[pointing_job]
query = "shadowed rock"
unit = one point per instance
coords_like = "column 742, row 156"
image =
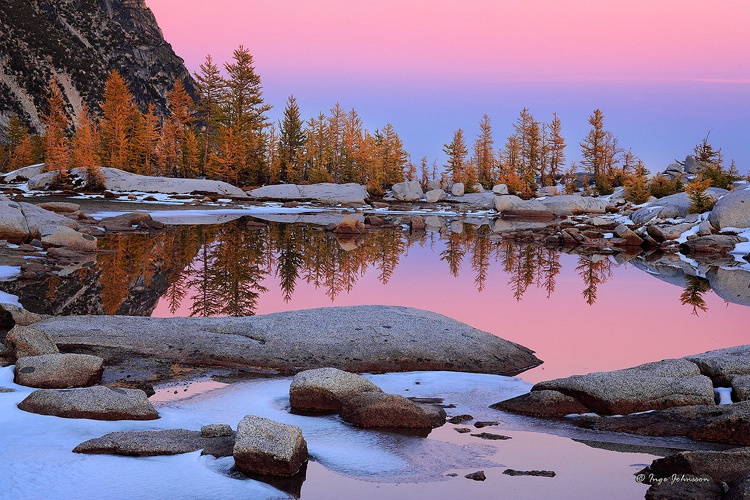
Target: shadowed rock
column 388, row 411
column 674, row 382
column 542, row 403
column 59, row 371
column 728, row 424
column 266, row 447
column 728, row 466
column 98, row 403
column 154, row 443
column 325, row 389
column 356, row 339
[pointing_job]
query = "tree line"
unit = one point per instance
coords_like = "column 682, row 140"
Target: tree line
column 225, row 134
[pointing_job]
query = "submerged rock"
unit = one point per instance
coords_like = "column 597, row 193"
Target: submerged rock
column 98, row 403
column 266, row 447
column 355, row 339
column 155, row 443
column 59, row 371
column 326, row 389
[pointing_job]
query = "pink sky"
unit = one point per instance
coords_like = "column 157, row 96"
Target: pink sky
column 664, row 72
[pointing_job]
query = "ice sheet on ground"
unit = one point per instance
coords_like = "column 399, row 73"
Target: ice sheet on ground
column 9, row 272
column 376, row 456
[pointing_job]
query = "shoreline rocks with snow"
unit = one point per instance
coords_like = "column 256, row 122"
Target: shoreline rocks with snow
column 325, row 192
column 672, row 397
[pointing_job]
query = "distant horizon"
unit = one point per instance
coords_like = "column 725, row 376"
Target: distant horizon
column 662, row 80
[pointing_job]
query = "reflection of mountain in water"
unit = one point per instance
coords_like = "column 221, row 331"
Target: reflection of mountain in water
column 223, row 269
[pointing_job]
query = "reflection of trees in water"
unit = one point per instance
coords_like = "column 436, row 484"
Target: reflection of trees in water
column 695, row 287
column 527, row 265
column 221, row 269
column 593, row 270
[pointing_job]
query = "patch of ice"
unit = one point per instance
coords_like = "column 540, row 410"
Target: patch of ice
column 6, row 298
column 724, row 394
column 690, row 232
column 608, row 236
column 44, row 466
column 9, row 272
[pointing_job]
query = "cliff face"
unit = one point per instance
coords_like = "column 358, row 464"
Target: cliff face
column 80, row 42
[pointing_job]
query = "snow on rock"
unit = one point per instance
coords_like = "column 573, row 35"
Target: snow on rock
column 119, row 180
column 570, row 204
column 325, row 192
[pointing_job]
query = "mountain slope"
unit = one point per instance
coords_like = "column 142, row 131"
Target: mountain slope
column 80, row 42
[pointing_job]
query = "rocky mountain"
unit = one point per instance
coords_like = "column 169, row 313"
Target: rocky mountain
column 80, row 42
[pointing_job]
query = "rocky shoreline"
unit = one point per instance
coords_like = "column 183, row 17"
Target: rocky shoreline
column 128, row 354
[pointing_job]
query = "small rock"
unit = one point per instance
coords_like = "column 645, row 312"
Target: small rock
column 631, row 239
column 434, row 196
column 458, row 189
column 326, row 389
column 29, row 341
column 543, row 403
column 59, row 371
column 263, row 446
column 491, row 436
column 462, row 430
column 537, row 473
column 60, row 207
column 476, row 476
column 98, row 403
column 417, row 223
column 460, row 418
column 61, row 236
column 380, row 410
column 157, row 443
column 500, row 189
column 480, row 424
column 216, row 430
column 350, row 225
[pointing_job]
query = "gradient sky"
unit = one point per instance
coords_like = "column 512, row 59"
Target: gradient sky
column 665, row 73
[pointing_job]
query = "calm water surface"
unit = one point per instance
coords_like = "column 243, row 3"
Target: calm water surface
column 579, row 313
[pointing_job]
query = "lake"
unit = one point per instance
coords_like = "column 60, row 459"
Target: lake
column 580, row 313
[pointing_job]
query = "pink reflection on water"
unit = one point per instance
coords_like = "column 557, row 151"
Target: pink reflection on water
column 636, row 318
